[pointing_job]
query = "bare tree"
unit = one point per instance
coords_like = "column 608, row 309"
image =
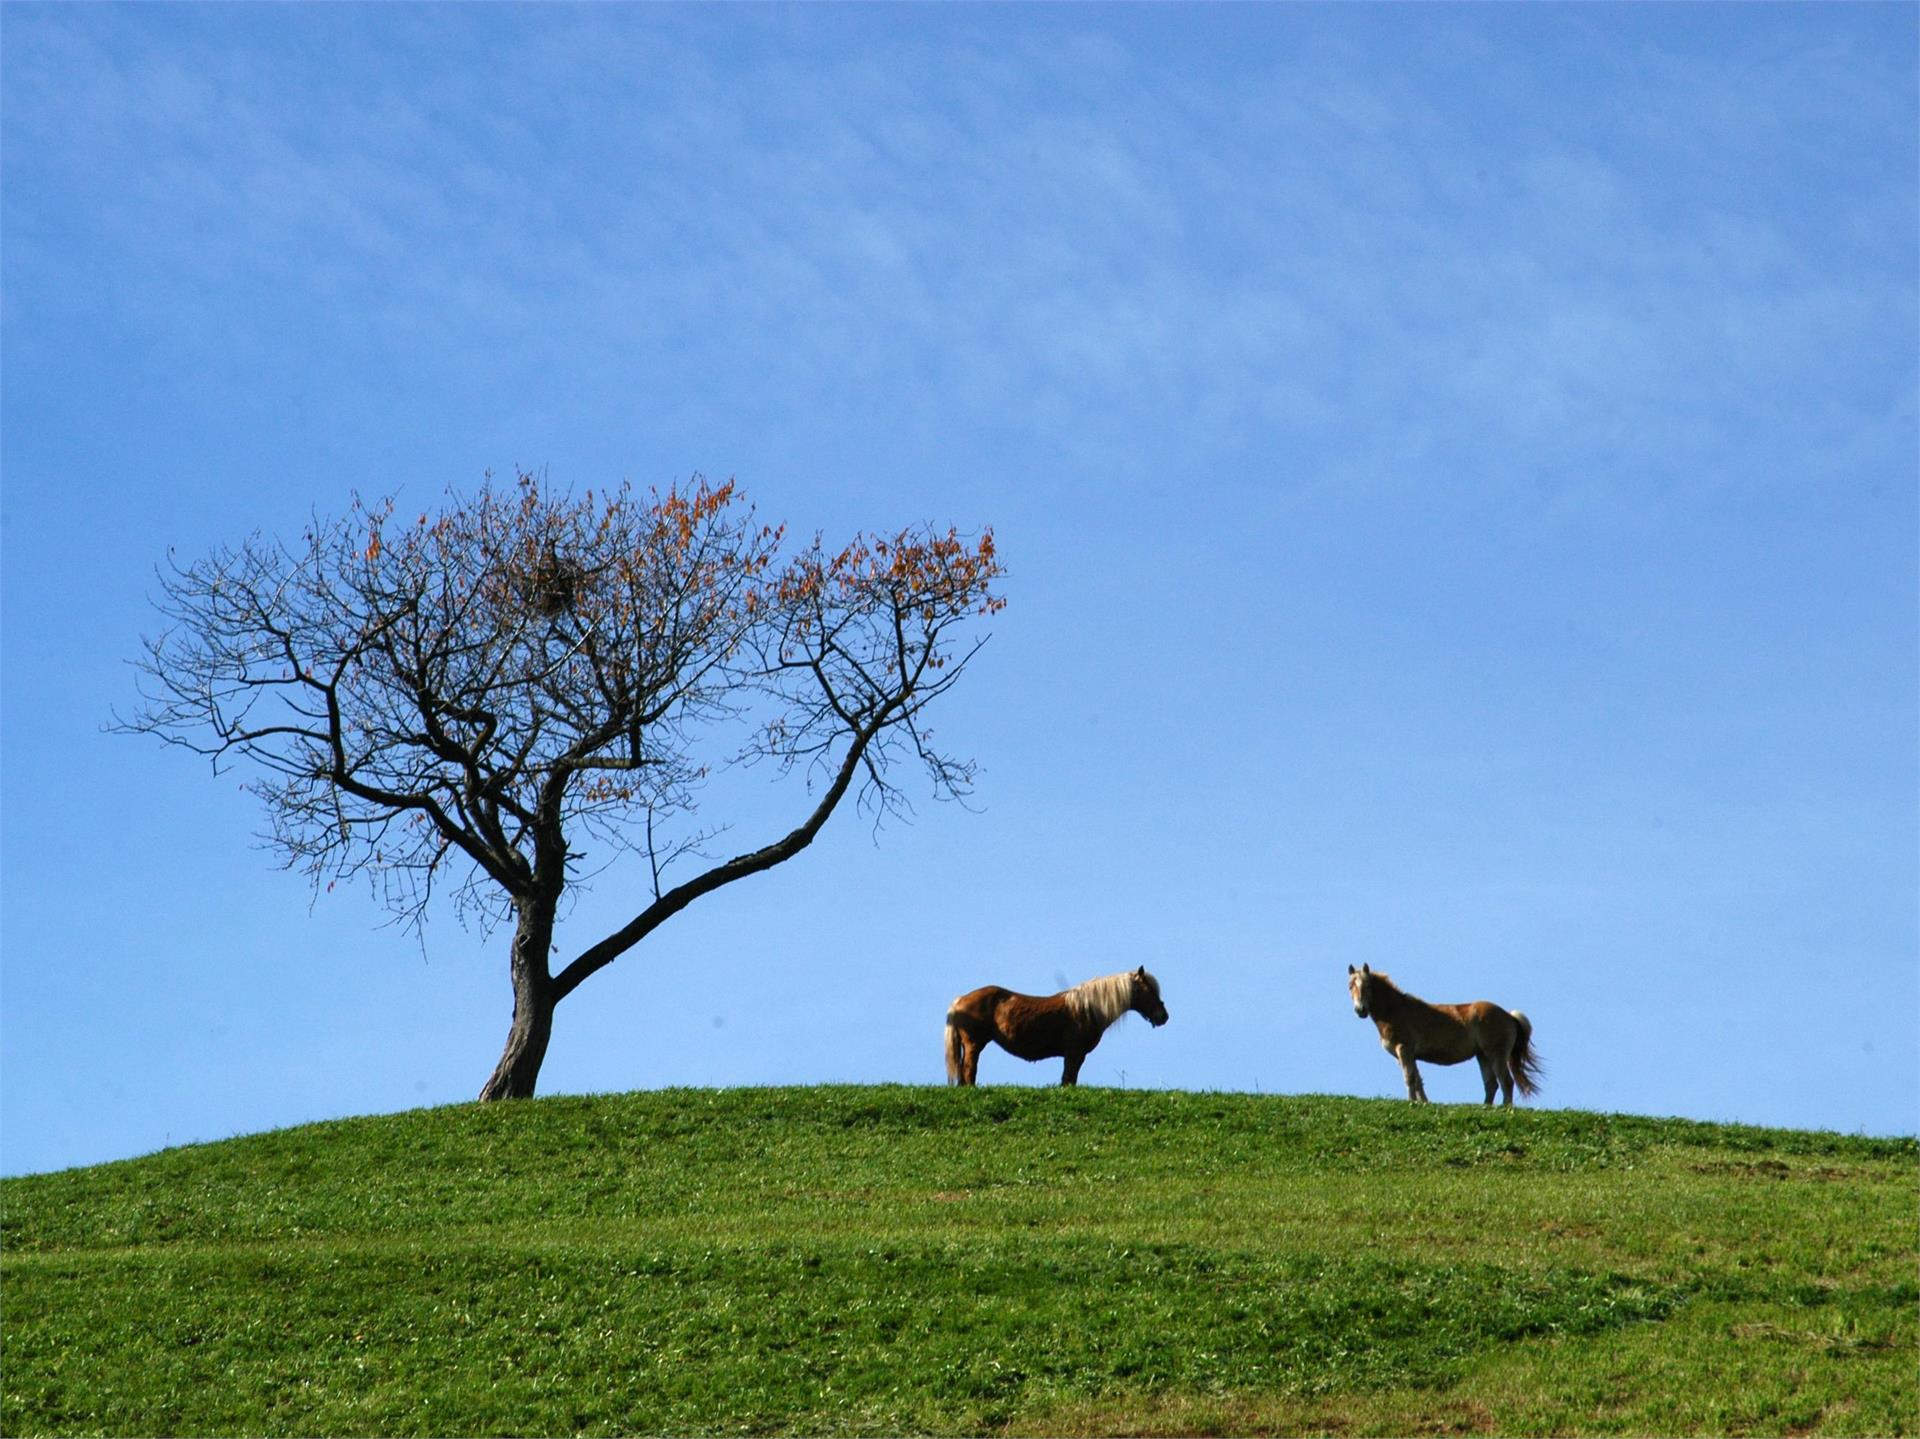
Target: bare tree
column 458, row 702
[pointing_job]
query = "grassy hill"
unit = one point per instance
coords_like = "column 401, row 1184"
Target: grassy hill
column 887, row 1260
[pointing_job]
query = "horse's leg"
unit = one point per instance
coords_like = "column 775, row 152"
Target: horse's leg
column 1489, row 1069
column 970, row 1047
column 1416, row 1091
column 1503, row 1066
column 1071, row 1074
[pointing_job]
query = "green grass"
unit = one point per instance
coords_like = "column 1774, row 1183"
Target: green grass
column 908, row 1260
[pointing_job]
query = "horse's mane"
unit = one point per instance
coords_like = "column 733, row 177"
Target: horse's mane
column 1385, row 981
column 1103, row 1000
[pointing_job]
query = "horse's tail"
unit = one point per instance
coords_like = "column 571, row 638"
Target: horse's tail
column 1526, row 1059
column 953, row 1050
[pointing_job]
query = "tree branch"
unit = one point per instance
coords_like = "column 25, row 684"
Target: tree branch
column 758, row 861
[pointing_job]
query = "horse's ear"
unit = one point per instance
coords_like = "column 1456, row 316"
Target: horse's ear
column 1141, row 974
column 1350, row 969
column 1365, row 968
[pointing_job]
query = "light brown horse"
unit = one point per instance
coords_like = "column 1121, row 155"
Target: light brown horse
column 1065, row 1025
column 1411, row 1029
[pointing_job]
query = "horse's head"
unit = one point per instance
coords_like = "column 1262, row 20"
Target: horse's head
column 1146, row 998
column 1360, row 987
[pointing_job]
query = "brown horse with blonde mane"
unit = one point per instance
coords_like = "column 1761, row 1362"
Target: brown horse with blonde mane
column 1066, row 1025
column 1411, row 1029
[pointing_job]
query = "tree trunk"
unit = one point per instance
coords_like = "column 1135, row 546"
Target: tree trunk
column 533, row 1000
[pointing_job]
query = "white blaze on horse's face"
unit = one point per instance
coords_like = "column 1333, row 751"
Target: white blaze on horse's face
column 1359, row 981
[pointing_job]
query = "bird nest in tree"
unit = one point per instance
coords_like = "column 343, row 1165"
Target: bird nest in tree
column 550, row 584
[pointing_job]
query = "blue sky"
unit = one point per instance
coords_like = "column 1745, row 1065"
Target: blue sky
column 1456, row 466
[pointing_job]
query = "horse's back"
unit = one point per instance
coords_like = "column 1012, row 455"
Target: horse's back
column 1454, row 1033
column 978, row 1003
column 1487, row 1020
column 1030, row 1026
column 1476, row 1012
